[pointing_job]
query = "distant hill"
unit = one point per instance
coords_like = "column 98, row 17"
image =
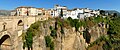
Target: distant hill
column 4, row 12
column 112, row 11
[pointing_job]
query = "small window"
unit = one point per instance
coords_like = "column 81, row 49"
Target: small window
column 51, row 14
column 43, row 13
column 39, row 14
column 51, row 11
column 4, row 26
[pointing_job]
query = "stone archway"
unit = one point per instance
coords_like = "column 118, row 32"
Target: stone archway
column 20, row 23
column 5, row 43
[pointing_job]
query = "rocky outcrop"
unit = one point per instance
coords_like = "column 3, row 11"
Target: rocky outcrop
column 71, row 40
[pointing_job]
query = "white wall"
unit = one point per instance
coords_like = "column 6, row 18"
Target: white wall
column 32, row 11
column 21, row 11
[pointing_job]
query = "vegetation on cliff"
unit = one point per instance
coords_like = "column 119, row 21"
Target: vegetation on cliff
column 28, row 36
column 112, row 39
column 87, row 23
column 49, row 42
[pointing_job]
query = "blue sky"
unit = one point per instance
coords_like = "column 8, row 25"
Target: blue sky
column 93, row 4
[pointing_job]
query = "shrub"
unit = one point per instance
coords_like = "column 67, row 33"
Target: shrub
column 86, row 36
column 35, row 25
column 53, row 33
column 78, row 24
column 48, row 41
column 69, row 18
column 62, row 31
column 50, row 28
column 52, row 46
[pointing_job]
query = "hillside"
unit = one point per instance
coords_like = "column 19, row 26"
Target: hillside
column 112, row 11
column 4, row 12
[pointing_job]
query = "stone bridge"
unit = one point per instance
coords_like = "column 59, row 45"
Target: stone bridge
column 11, row 29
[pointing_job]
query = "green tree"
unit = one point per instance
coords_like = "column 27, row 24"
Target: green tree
column 48, row 41
column 102, row 12
column 98, row 19
column 56, row 23
column 78, row 24
column 69, row 18
column 29, row 39
column 114, row 15
column 51, row 28
column 86, row 35
column 61, row 13
column 52, row 46
column 62, row 31
column 53, row 33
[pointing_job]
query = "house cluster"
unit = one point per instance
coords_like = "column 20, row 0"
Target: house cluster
column 29, row 11
column 55, row 12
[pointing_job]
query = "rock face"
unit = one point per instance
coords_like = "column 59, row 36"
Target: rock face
column 71, row 40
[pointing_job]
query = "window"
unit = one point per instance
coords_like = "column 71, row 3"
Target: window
column 51, row 11
column 51, row 14
column 39, row 14
column 3, row 27
column 43, row 13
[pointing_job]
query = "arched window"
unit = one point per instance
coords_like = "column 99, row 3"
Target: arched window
column 4, row 26
column 20, row 23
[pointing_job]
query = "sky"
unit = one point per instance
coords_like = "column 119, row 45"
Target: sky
column 92, row 4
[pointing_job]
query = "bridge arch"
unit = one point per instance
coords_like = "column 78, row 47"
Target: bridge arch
column 5, row 41
column 20, row 23
column 4, row 38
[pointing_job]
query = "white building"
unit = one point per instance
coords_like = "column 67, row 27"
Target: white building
column 21, row 11
column 81, row 13
column 32, row 11
column 76, row 13
column 25, row 11
column 40, row 11
column 55, row 12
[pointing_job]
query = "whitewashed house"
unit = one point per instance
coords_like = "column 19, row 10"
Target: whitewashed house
column 75, row 13
column 25, row 11
column 32, row 11
column 55, row 12
column 81, row 13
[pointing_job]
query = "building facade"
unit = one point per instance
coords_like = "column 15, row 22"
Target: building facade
column 55, row 12
column 81, row 13
column 76, row 13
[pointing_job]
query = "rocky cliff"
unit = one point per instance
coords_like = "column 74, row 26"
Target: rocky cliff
column 71, row 40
